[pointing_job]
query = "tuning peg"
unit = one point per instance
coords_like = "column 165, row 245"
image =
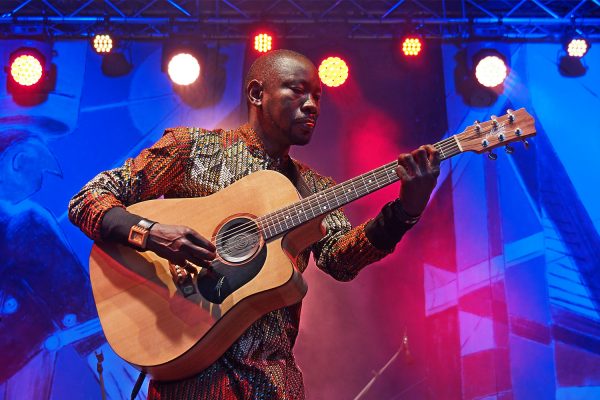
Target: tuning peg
column 518, row 132
column 511, row 116
column 477, row 127
column 492, row 156
column 494, row 121
column 509, row 149
column 525, row 144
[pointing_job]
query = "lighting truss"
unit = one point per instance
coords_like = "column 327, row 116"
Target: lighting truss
column 540, row 20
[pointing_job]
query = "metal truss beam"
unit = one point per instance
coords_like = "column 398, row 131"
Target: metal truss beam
column 537, row 20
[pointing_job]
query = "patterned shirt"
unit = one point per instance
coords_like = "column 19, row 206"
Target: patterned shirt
column 193, row 162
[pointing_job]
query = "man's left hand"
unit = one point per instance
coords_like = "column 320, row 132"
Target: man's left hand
column 418, row 171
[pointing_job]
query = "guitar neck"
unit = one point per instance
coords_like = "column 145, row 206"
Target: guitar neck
column 287, row 218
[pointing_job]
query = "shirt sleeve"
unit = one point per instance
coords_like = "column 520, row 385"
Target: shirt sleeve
column 344, row 250
column 149, row 175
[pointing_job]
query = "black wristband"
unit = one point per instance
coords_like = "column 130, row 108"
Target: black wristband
column 387, row 228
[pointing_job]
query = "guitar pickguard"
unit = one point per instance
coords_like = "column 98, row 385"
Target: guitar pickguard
column 223, row 279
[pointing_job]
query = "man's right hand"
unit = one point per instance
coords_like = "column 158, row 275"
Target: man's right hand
column 179, row 244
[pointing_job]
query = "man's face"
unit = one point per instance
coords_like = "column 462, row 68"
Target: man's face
column 290, row 102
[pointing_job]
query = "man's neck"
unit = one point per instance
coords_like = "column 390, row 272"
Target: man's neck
column 272, row 148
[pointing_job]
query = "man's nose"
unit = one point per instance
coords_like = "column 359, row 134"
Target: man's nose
column 311, row 105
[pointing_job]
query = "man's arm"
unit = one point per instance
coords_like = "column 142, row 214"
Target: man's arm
column 344, row 251
column 99, row 208
column 148, row 176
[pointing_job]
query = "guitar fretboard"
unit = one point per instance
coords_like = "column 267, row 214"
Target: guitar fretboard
column 287, row 218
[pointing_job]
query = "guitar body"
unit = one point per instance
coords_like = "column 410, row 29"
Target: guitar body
column 147, row 319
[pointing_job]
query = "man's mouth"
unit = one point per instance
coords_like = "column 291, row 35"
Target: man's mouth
column 307, row 122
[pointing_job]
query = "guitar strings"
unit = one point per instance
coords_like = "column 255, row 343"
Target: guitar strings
column 277, row 217
column 309, row 202
column 447, row 144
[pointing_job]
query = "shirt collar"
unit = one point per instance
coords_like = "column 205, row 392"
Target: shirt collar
column 257, row 148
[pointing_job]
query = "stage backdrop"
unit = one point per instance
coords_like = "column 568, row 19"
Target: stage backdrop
column 496, row 288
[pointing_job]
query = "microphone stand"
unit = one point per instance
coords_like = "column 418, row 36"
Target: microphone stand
column 403, row 349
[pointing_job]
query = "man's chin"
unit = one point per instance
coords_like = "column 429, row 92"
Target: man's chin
column 302, row 139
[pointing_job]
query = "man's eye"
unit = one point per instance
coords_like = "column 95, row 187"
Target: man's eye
column 297, row 90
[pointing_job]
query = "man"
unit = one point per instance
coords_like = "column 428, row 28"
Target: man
column 283, row 91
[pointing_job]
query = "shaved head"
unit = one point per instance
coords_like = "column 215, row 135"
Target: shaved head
column 265, row 67
column 283, row 91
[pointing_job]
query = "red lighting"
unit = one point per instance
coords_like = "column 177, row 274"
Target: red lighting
column 411, row 46
column 26, row 68
column 333, row 71
column 263, row 42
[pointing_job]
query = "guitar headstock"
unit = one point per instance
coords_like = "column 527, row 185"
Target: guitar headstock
column 498, row 131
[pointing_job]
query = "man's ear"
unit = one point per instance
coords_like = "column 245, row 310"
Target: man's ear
column 254, row 92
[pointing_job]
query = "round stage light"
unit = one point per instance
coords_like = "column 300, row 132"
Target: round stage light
column 577, row 48
column 333, row 71
column 491, row 71
column 26, row 69
column 103, row 44
column 263, row 42
column 183, row 69
column 411, row 46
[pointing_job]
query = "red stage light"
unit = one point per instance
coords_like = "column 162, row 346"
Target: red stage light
column 411, row 46
column 26, row 68
column 333, row 71
column 263, row 42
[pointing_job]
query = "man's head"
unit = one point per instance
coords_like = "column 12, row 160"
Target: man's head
column 283, row 91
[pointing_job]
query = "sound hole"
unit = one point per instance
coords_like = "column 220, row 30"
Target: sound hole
column 238, row 240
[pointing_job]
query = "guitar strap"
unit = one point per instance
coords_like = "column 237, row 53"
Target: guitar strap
column 294, row 175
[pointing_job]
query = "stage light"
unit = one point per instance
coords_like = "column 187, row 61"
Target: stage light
column 30, row 72
column 491, row 71
column 26, row 68
column 263, row 42
column 183, row 69
column 412, row 46
column 197, row 70
column 570, row 63
column 481, row 71
column 333, row 71
column 103, row 43
column 577, row 47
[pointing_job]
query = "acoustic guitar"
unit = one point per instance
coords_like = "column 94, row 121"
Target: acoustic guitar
column 174, row 331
